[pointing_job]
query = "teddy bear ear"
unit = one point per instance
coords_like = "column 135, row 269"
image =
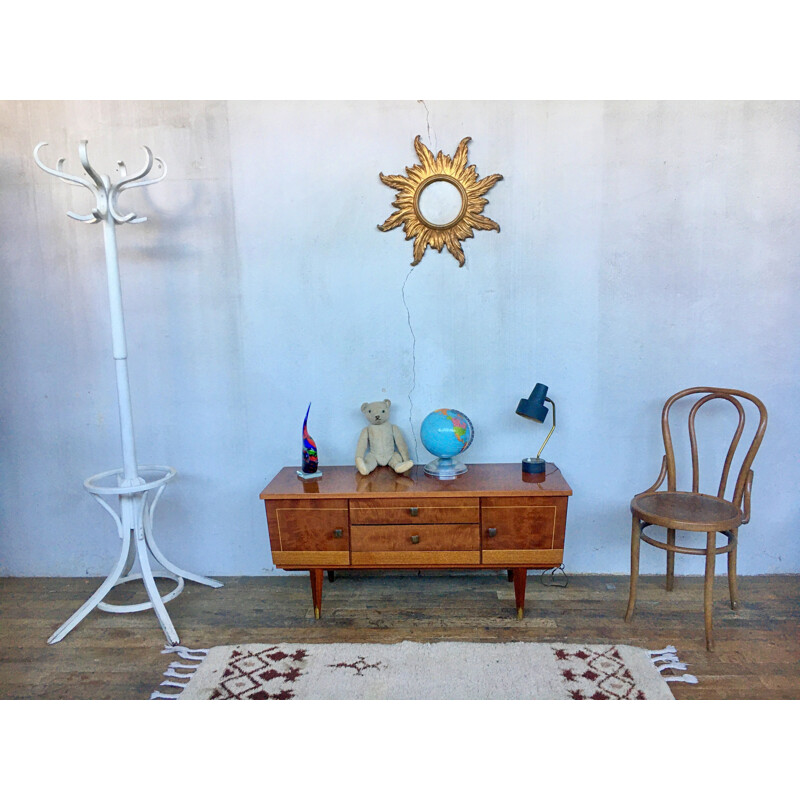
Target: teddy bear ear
column 387, row 401
column 364, row 407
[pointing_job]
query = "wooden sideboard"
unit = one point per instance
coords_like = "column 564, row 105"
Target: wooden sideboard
column 491, row 517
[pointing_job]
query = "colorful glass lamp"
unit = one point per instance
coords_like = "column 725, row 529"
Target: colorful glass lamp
column 534, row 408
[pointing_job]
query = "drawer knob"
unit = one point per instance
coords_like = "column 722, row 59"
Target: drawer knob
column 491, row 533
column 338, row 533
column 414, row 511
column 415, row 539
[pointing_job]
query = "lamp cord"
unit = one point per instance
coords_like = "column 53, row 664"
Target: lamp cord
column 552, row 577
column 413, row 366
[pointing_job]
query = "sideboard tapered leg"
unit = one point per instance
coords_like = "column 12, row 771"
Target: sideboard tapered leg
column 520, row 579
column 316, row 590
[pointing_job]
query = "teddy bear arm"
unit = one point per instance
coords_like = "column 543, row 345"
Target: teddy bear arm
column 363, row 440
column 400, row 441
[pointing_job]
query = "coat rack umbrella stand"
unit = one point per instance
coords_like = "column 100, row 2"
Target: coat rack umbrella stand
column 138, row 488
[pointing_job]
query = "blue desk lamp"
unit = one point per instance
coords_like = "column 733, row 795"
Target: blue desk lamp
column 534, row 408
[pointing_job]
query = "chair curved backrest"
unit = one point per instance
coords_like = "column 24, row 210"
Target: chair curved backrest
column 744, row 478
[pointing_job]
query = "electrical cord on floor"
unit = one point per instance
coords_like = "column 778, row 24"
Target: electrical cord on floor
column 550, row 577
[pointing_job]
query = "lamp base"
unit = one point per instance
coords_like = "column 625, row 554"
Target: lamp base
column 533, row 466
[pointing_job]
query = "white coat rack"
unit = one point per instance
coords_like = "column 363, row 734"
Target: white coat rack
column 137, row 487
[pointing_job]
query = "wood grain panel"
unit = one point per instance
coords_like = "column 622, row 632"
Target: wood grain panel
column 414, row 510
column 518, row 523
column 307, row 525
column 535, row 559
column 297, row 559
column 442, row 559
column 366, row 538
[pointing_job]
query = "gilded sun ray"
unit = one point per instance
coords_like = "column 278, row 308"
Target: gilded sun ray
column 460, row 226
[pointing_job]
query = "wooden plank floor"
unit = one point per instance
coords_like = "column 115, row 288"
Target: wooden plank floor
column 112, row 656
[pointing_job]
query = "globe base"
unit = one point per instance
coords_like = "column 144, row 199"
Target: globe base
column 445, row 469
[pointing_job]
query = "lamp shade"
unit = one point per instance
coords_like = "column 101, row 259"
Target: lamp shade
column 534, row 407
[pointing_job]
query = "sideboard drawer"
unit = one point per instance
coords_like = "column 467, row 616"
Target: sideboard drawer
column 414, row 511
column 308, row 533
column 415, row 545
column 369, row 538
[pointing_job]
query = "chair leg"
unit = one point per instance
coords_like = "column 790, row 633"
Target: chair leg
column 636, row 530
column 708, row 589
column 670, row 559
column 732, row 587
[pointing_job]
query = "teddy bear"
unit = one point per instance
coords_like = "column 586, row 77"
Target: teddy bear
column 381, row 442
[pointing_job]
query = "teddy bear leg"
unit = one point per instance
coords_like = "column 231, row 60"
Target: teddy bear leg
column 367, row 464
column 398, row 465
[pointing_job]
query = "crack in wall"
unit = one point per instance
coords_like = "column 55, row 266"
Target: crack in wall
column 431, row 144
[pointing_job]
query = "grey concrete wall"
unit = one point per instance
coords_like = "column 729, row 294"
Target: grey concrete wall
column 645, row 247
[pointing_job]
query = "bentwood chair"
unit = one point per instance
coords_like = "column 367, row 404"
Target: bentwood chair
column 694, row 511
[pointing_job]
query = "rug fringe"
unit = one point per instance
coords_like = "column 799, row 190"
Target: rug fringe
column 681, row 678
column 187, row 653
column 670, row 648
column 667, row 658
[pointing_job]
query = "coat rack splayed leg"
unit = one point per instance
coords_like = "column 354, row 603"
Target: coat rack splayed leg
column 138, row 488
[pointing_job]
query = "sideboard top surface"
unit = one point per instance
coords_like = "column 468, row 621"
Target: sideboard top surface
column 478, row 480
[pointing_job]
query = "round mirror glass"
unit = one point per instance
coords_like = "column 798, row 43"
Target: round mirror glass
column 440, row 203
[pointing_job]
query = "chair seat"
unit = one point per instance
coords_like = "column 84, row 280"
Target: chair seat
column 686, row 511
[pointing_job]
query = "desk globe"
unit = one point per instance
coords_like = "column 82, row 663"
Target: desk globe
column 446, row 433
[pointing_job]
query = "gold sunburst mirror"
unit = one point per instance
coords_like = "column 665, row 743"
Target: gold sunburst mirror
column 439, row 201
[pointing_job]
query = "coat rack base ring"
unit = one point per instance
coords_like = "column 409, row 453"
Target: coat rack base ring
column 134, row 522
column 119, row 608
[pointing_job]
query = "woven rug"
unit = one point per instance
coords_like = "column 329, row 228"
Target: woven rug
column 421, row 671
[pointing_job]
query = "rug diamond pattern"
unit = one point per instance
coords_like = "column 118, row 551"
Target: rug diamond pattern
column 262, row 674
column 598, row 674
